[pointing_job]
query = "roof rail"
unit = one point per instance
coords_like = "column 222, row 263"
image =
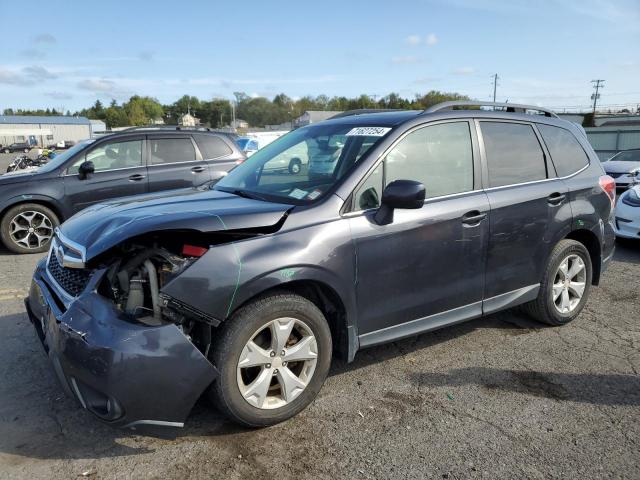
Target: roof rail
column 362, row 111
column 509, row 107
column 167, row 127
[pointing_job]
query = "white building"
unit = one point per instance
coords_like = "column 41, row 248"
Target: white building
column 43, row 130
column 188, row 120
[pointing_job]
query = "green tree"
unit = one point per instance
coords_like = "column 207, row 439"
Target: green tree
column 115, row 116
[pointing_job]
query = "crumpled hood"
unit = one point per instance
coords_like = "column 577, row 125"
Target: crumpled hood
column 104, row 225
column 620, row 167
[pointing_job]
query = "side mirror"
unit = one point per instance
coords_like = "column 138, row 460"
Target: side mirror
column 406, row 194
column 85, row 169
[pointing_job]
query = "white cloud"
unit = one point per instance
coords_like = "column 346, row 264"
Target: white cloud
column 464, row 71
column 59, row 95
column 10, row 77
column 432, row 39
column 102, row 85
column 413, row 39
column 405, row 59
column 45, row 38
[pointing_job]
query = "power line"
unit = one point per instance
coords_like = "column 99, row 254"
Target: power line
column 597, row 84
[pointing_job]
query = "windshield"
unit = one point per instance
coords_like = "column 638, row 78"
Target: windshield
column 242, row 142
column 628, row 156
column 303, row 165
column 61, row 158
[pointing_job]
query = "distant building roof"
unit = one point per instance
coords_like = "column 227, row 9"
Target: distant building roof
column 59, row 120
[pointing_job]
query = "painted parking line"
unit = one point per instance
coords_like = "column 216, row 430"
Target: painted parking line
column 11, row 294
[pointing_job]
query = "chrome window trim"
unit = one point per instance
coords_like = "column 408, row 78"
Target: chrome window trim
column 357, row 213
column 151, row 165
column 103, row 171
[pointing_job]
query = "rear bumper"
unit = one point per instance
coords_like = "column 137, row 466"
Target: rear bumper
column 126, row 374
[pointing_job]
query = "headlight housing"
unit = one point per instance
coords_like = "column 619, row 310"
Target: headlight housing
column 631, row 197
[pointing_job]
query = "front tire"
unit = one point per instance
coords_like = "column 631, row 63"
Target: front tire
column 273, row 356
column 28, row 228
column 295, row 166
column 565, row 286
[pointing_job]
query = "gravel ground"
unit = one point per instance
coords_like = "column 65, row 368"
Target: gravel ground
column 500, row 397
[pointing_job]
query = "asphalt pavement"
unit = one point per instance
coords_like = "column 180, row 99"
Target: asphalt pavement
column 499, row 397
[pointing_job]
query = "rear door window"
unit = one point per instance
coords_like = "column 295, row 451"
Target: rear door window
column 212, row 146
column 172, row 150
column 514, row 154
column 566, row 153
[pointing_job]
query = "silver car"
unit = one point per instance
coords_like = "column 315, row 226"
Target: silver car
column 622, row 167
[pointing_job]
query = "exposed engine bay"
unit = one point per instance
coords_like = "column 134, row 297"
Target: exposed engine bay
column 134, row 281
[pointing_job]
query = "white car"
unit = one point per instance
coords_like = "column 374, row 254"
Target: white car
column 622, row 167
column 628, row 212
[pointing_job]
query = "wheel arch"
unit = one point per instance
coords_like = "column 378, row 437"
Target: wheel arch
column 592, row 244
column 38, row 200
column 330, row 303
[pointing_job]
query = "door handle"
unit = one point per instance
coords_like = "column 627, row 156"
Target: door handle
column 556, row 198
column 473, row 217
column 197, row 169
column 137, row 177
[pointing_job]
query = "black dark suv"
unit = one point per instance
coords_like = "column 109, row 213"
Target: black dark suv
column 16, row 147
column 134, row 161
column 246, row 288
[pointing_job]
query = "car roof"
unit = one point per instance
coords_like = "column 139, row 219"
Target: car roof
column 378, row 119
column 394, row 118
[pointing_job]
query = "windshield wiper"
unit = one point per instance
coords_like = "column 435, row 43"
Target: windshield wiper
column 246, row 194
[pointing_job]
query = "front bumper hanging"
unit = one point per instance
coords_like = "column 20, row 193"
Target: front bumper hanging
column 125, row 373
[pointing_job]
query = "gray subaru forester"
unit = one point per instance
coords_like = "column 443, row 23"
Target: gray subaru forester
column 247, row 287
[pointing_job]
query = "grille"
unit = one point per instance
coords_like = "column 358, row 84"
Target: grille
column 72, row 280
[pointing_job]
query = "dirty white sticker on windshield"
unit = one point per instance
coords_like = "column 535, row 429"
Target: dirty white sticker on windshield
column 368, row 132
column 313, row 195
column 297, row 193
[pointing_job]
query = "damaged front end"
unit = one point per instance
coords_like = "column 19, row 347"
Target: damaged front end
column 129, row 354
column 115, row 310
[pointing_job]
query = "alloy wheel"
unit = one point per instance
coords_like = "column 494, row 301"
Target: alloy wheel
column 569, row 284
column 277, row 363
column 31, row 229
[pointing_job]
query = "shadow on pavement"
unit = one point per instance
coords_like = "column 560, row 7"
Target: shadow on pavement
column 596, row 389
column 627, row 250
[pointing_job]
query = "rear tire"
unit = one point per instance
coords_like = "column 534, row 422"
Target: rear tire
column 28, row 228
column 250, row 337
column 565, row 286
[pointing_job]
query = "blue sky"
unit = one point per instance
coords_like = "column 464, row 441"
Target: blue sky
column 545, row 51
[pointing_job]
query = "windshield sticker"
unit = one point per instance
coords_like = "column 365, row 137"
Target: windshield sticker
column 313, row 195
column 297, row 193
column 368, row 132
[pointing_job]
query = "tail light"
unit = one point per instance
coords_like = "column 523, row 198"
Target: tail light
column 608, row 185
column 193, row 251
column 239, row 161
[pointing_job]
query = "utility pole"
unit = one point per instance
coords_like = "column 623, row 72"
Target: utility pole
column 495, row 85
column 597, row 84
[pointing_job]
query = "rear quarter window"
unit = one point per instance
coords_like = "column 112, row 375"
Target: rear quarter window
column 212, row 146
column 566, row 153
column 514, row 154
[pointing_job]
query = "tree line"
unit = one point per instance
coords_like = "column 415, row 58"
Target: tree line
column 257, row 111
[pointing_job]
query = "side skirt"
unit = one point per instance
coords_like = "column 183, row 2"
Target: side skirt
column 450, row 317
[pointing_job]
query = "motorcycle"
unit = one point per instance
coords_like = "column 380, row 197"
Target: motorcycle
column 22, row 162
